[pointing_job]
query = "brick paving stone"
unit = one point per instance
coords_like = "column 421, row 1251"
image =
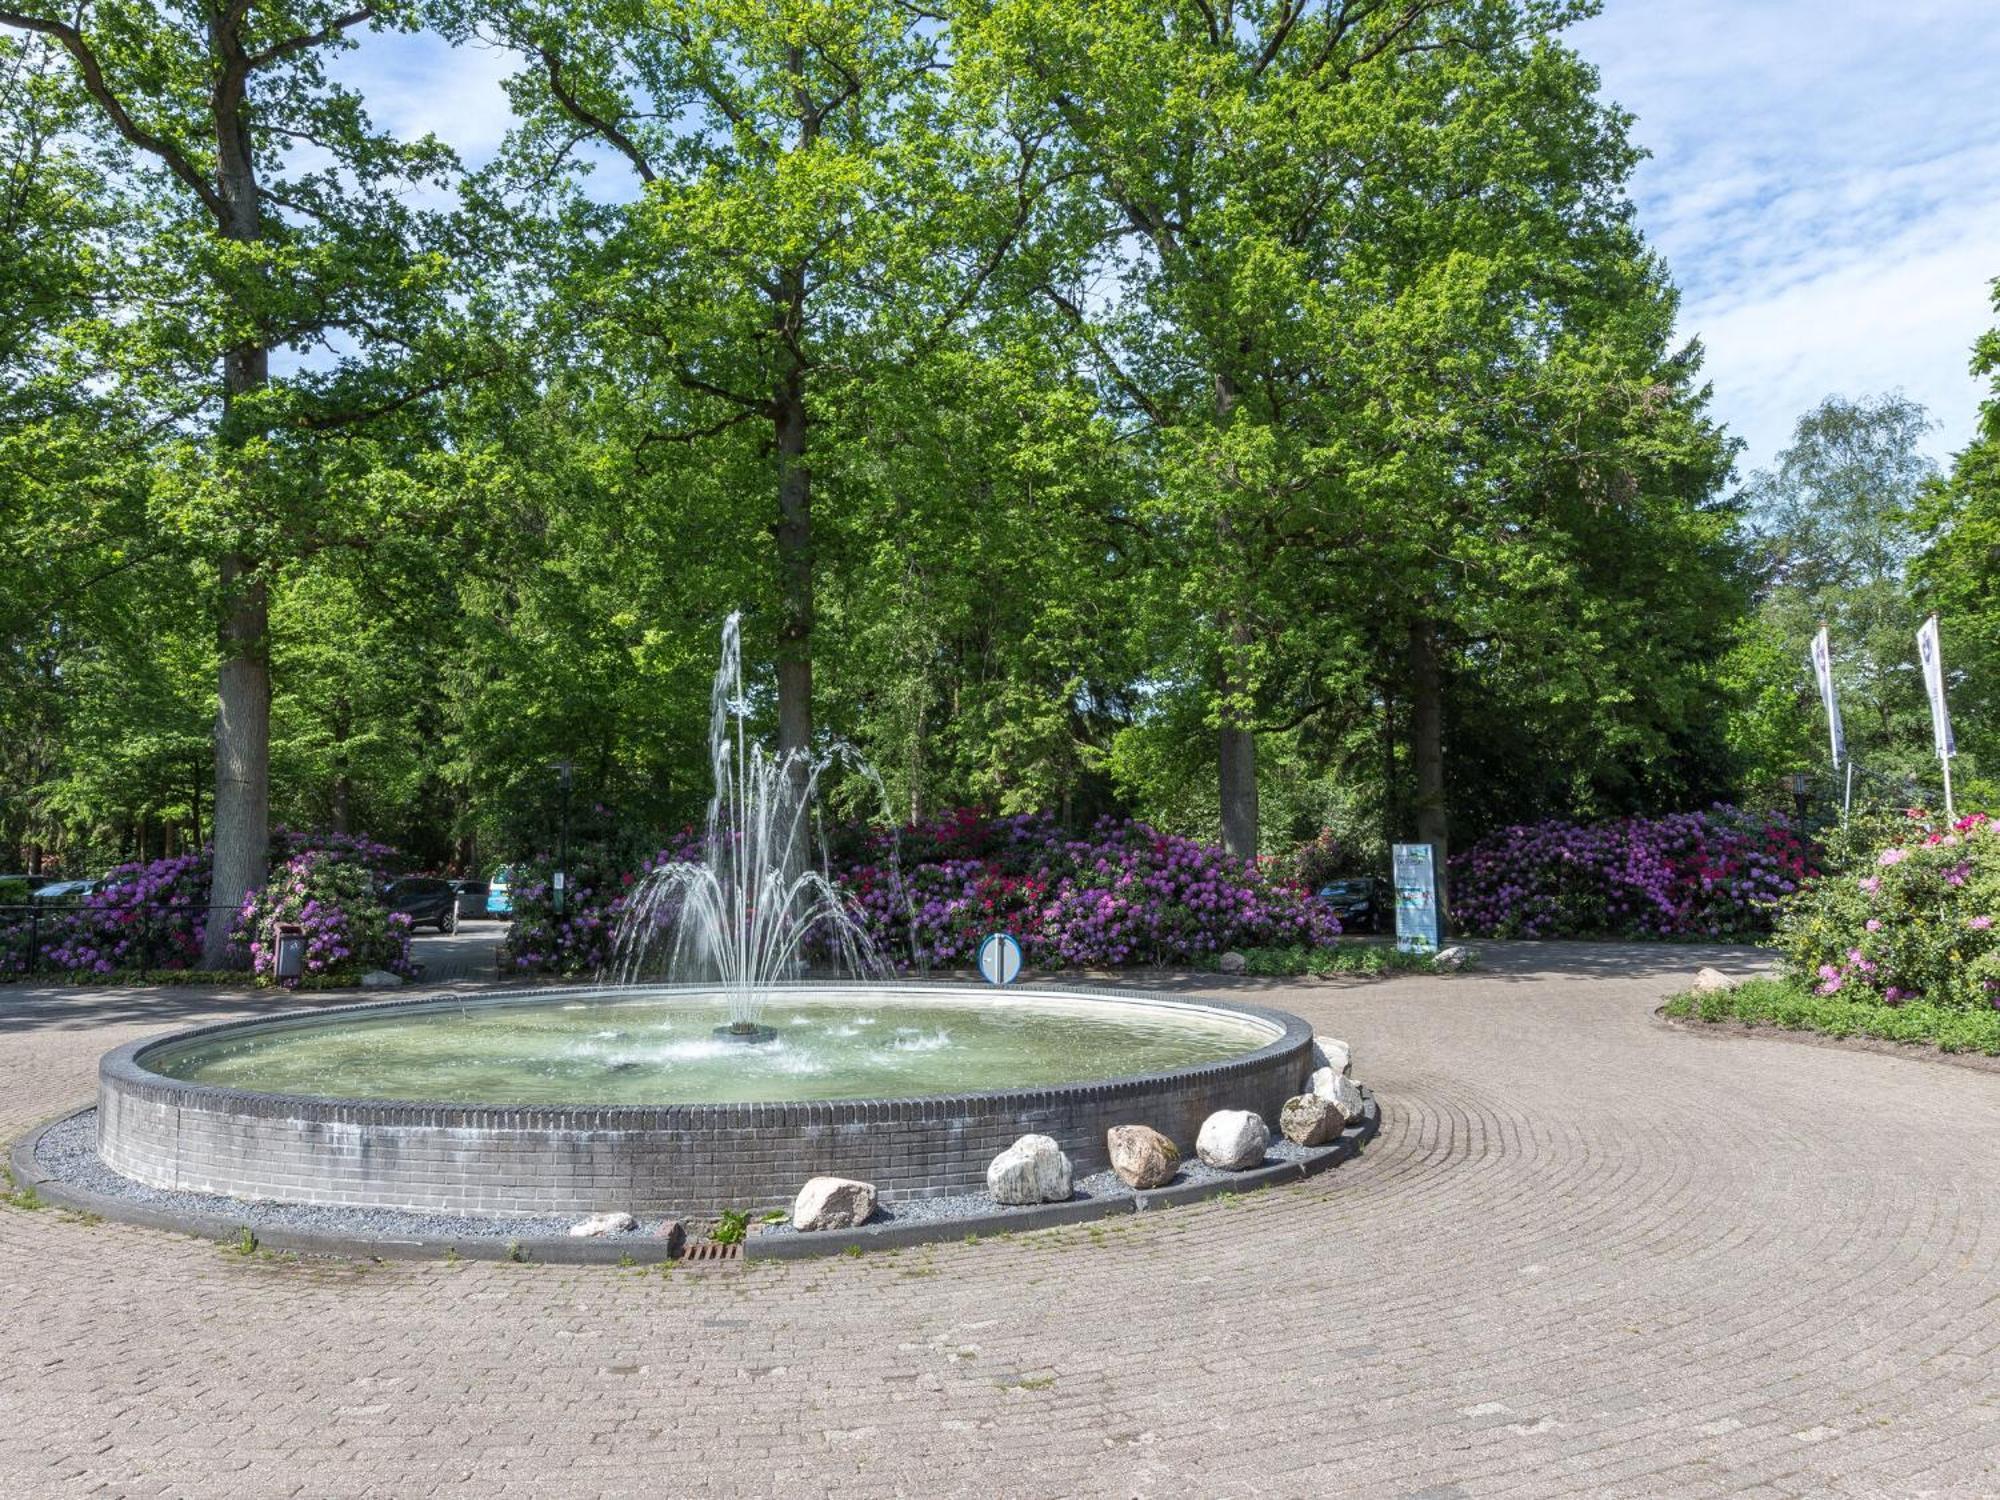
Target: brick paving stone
column 1587, row 1255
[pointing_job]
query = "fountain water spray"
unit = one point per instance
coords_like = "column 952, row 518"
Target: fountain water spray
column 747, row 915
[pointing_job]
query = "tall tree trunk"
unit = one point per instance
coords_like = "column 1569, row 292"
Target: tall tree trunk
column 242, row 816
column 795, row 573
column 343, row 779
column 1236, row 743
column 1236, row 751
column 1427, row 751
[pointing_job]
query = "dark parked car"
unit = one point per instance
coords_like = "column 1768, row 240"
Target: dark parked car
column 471, row 897
column 427, row 900
column 1357, row 902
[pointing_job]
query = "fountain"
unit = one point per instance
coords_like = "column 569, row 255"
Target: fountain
column 637, row 1095
column 744, row 915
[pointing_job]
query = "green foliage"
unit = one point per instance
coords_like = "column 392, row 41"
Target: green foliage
column 1797, row 1006
column 731, row 1227
column 1918, row 922
column 1833, row 525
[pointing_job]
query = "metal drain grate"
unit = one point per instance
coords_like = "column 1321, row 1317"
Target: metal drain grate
column 709, row 1250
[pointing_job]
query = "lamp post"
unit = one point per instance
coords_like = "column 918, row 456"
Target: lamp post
column 565, row 773
column 1801, row 793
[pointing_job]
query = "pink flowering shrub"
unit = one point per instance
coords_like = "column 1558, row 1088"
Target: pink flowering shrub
column 926, row 895
column 337, row 901
column 1715, row 874
column 1914, row 920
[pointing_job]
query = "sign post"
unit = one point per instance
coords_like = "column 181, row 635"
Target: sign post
column 999, row 958
column 1416, row 899
column 1822, row 660
column 1932, row 657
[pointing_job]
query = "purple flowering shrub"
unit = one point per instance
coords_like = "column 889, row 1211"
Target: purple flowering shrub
column 1917, row 921
column 154, row 914
column 578, row 939
column 150, row 916
column 1715, row 874
column 927, row 894
column 338, row 902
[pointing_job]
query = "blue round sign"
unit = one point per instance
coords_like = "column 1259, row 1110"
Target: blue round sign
column 999, row 958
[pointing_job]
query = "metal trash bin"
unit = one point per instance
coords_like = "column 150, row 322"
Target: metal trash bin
column 290, row 938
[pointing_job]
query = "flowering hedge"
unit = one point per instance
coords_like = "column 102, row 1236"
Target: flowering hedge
column 926, row 894
column 1715, row 874
column 1916, row 922
column 337, row 901
column 154, row 914
column 150, row 916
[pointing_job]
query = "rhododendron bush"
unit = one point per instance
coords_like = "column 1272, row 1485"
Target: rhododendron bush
column 1122, row 894
column 1715, row 874
column 336, row 902
column 154, row 915
column 1916, row 920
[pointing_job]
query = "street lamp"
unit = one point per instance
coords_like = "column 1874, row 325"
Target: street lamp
column 1801, row 792
column 565, row 773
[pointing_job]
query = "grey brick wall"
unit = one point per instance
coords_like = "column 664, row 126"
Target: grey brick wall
column 683, row 1158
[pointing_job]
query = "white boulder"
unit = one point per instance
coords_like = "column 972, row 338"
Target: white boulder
column 833, row 1203
column 1452, row 958
column 1233, row 1140
column 380, row 979
column 1232, row 962
column 599, row 1225
column 1330, row 1052
column 1032, row 1170
column 1339, row 1088
column 1712, row 981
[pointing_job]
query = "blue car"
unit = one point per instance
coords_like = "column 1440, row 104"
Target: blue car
column 500, row 893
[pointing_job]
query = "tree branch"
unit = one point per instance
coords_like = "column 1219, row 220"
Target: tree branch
column 121, row 119
column 589, row 118
column 300, row 43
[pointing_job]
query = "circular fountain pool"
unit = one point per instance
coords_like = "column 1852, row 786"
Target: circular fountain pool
column 585, row 1100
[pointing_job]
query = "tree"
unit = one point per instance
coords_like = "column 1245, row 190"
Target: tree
column 809, row 216
column 273, row 219
column 1957, row 573
column 1833, row 525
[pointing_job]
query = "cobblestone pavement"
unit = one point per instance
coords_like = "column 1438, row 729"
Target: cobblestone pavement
column 1587, row 1255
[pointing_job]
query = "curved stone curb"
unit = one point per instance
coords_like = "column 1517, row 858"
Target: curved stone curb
column 615, row 1250
column 499, row 1159
column 1803, row 1036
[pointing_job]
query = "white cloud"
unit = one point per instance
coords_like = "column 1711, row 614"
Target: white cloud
column 415, row 85
column 1825, row 183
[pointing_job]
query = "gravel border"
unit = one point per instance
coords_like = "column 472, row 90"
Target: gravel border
column 59, row 1161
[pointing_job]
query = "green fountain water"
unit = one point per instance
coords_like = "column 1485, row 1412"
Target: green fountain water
column 649, row 1048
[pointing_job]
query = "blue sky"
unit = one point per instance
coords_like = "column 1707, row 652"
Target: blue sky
column 1824, row 182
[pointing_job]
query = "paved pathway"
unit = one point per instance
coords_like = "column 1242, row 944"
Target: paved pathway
column 1587, row 1255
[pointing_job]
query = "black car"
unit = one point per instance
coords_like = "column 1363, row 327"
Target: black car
column 425, row 899
column 1357, row 902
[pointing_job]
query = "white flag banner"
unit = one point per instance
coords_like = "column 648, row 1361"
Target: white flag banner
column 1933, row 660
column 1822, row 660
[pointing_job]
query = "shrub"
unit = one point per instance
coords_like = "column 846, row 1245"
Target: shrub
column 1715, row 874
column 1799, row 1007
column 337, row 902
column 927, row 894
column 150, row 916
column 1920, row 922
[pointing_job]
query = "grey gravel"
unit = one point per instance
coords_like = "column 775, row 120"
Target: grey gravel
column 67, row 1151
column 1106, row 1185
